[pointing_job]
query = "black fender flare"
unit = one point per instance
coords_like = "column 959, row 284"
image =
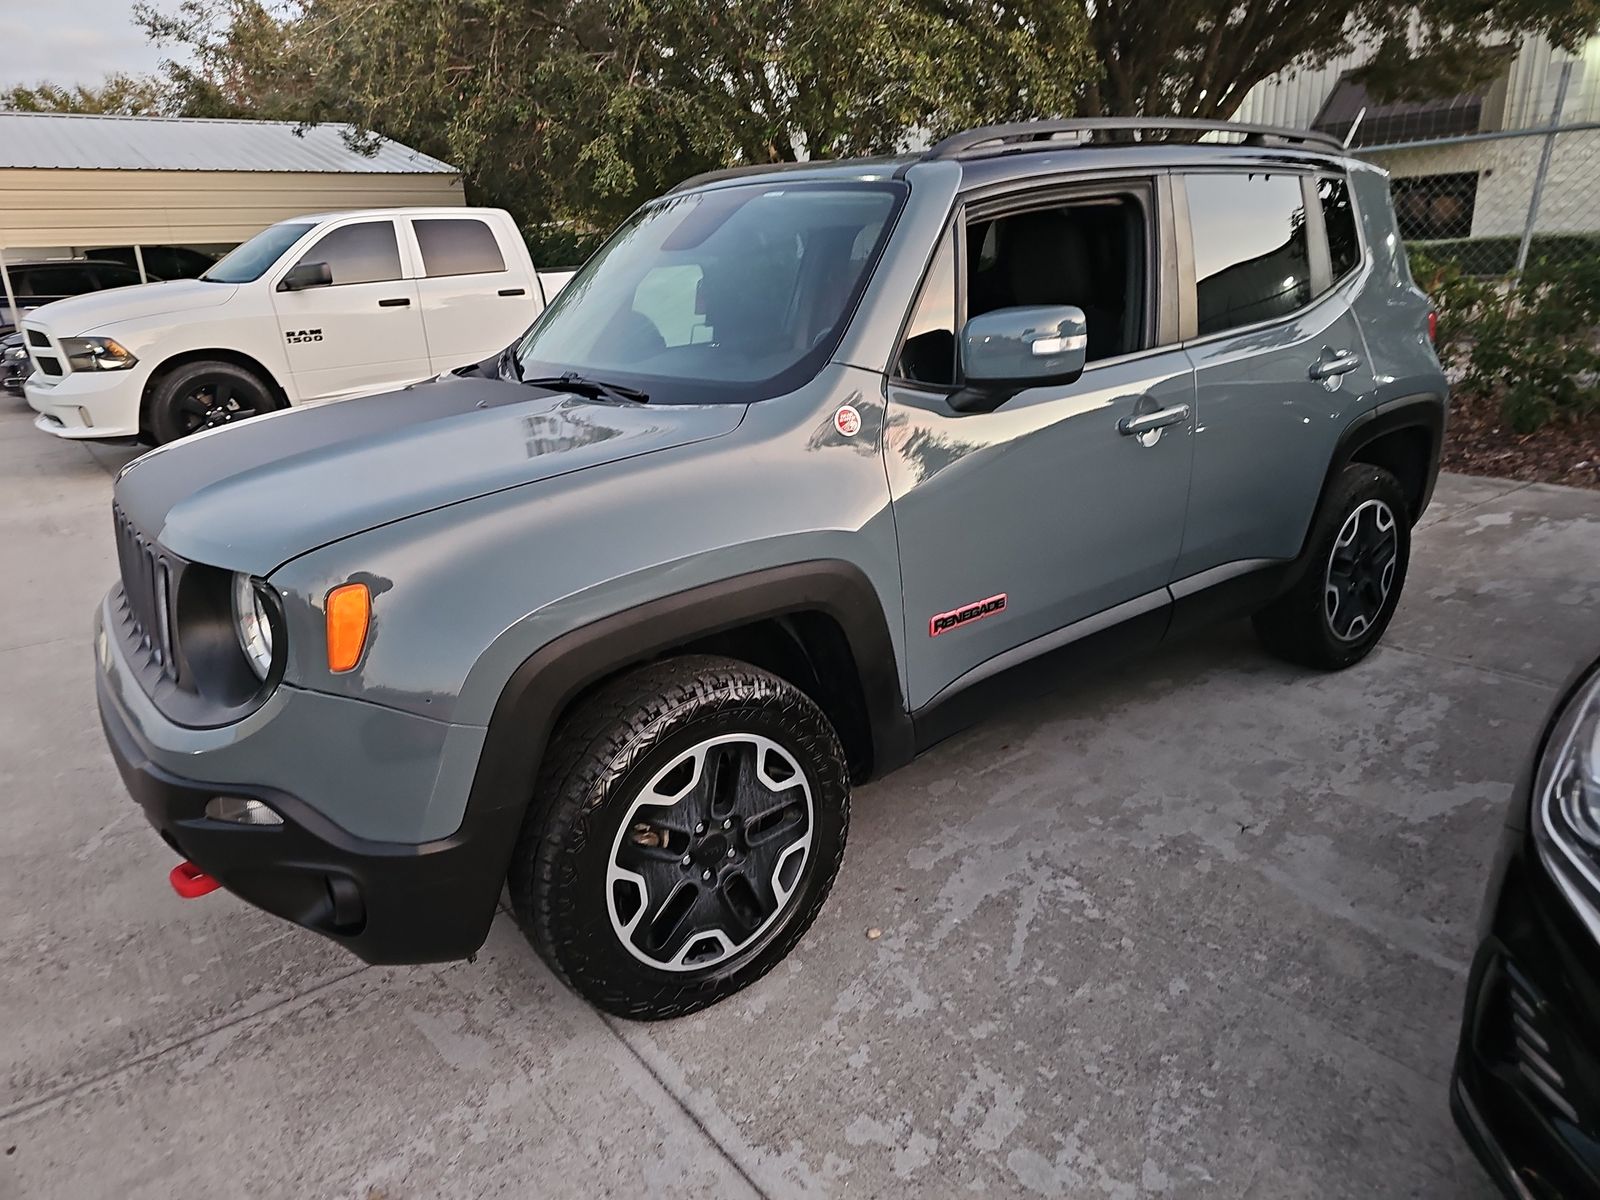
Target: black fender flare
column 540, row 690
column 1424, row 410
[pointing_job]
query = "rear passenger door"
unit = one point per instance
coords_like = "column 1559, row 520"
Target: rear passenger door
column 362, row 333
column 1280, row 364
column 474, row 300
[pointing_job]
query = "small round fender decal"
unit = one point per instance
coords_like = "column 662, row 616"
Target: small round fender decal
column 847, row 420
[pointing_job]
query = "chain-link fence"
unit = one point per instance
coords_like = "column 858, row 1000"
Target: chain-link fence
column 1500, row 179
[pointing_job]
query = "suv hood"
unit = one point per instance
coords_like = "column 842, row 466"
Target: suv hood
column 86, row 313
column 250, row 497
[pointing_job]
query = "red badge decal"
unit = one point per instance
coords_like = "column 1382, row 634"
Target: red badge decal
column 946, row 621
column 847, row 421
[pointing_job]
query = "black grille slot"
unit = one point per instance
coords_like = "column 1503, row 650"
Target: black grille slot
column 35, row 338
column 49, row 366
column 1530, row 1043
column 147, row 587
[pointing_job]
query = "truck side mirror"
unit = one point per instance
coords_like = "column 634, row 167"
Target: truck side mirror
column 306, row 275
column 1010, row 349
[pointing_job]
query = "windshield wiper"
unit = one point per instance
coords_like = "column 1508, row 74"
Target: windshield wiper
column 595, row 389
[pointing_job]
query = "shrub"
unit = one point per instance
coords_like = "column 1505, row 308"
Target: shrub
column 1529, row 344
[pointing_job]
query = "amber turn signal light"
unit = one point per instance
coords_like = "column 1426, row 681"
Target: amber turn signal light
column 349, row 612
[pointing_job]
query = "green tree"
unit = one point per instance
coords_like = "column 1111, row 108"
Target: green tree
column 576, row 110
column 1199, row 58
column 121, row 95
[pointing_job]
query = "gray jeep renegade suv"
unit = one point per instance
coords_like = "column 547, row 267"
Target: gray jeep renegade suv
column 806, row 469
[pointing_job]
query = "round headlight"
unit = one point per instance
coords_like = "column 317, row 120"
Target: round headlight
column 253, row 625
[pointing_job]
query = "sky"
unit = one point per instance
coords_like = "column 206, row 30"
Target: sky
column 72, row 41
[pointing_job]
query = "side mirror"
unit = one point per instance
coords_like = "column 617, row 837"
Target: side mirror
column 1010, row 349
column 306, row 275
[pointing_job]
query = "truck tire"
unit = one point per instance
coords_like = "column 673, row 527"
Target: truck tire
column 203, row 395
column 687, row 826
column 1356, row 559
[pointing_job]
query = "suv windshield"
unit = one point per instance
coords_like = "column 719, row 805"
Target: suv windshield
column 735, row 294
column 247, row 262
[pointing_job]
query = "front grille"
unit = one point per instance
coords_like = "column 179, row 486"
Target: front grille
column 36, row 338
column 50, row 366
column 148, row 574
column 1529, row 1050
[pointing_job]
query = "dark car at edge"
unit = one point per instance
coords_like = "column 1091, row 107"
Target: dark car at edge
column 1526, row 1088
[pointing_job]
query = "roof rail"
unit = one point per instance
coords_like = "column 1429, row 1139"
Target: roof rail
column 1039, row 135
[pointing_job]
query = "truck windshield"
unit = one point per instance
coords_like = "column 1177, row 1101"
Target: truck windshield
column 734, row 294
column 248, row 261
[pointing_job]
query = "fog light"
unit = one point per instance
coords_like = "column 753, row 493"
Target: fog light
column 241, row 811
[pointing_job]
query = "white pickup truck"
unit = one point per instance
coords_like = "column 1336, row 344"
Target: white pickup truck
column 319, row 307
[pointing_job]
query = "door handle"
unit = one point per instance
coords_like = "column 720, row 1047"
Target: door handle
column 513, row 292
column 395, row 302
column 1133, row 426
column 1341, row 363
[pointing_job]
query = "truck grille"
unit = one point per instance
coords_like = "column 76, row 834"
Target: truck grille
column 37, row 338
column 148, row 577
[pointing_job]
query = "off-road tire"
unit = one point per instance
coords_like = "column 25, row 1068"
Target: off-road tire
column 600, row 760
column 1297, row 626
column 172, row 414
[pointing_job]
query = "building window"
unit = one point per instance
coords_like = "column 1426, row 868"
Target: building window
column 1435, row 206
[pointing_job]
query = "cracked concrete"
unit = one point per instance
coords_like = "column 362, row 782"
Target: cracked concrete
column 1197, row 929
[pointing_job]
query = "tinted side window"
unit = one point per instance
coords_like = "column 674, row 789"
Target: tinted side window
column 364, row 253
column 1339, row 219
column 1250, row 257
column 457, row 247
column 1089, row 253
column 60, row 281
column 928, row 355
column 112, row 277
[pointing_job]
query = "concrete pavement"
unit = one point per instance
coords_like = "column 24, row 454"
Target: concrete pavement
column 1198, row 929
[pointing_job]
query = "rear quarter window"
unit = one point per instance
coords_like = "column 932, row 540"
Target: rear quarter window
column 1339, row 220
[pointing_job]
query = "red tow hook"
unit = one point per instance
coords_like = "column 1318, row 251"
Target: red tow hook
column 190, row 882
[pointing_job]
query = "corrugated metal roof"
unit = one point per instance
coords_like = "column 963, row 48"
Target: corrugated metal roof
column 70, row 141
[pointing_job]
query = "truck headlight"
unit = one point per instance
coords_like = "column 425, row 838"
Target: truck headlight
column 252, row 622
column 1566, row 798
column 96, row 354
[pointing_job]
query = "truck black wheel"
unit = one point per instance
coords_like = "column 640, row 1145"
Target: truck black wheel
column 1355, row 567
column 687, row 825
column 204, row 395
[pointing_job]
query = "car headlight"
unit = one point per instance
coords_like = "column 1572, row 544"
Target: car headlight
column 252, row 622
column 1566, row 797
column 96, row 354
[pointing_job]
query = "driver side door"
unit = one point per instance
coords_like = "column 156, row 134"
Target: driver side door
column 1042, row 525
column 361, row 333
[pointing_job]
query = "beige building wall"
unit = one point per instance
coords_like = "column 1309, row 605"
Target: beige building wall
column 1505, row 169
column 76, row 208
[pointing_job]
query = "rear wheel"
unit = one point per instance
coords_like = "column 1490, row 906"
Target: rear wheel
column 205, row 395
column 1356, row 566
column 688, row 825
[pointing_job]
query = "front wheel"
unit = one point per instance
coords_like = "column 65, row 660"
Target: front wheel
column 689, row 821
column 1356, row 561
column 205, row 395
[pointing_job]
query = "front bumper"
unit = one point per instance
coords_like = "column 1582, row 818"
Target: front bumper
column 88, row 404
column 1526, row 1092
column 386, row 901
